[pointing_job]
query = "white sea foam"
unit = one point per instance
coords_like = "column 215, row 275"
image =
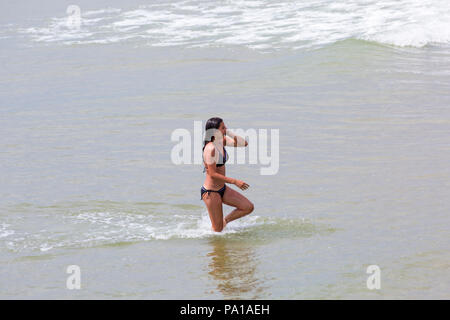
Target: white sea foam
column 5, row 231
column 147, row 227
column 93, row 228
column 259, row 24
column 101, row 11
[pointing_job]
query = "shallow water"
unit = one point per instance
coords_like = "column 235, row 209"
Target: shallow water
column 360, row 94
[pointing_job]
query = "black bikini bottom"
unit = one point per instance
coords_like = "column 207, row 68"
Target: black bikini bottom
column 220, row 191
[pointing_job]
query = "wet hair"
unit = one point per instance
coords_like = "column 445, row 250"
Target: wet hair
column 212, row 123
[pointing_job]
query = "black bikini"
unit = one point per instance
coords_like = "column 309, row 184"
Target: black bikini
column 224, row 158
column 221, row 191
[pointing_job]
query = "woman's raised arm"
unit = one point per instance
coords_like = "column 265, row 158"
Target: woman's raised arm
column 233, row 140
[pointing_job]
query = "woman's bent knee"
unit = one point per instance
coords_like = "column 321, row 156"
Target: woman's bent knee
column 249, row 208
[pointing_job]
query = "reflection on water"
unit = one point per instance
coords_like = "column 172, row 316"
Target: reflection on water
column 233, row 265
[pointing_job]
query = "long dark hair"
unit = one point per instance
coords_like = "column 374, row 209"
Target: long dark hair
column 212, row 123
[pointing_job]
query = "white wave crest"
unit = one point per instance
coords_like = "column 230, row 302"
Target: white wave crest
column 259, row 24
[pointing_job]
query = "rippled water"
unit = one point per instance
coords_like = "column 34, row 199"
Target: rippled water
column 358, row 89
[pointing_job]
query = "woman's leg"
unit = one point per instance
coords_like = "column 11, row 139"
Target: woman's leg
column 233, row 198
column 213, row 202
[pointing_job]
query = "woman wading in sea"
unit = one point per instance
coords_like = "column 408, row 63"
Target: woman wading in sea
column 214, row 192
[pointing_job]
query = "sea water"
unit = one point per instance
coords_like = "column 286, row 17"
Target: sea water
column 360, row 94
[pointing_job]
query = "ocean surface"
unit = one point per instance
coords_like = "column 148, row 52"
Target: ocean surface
column 360, row 94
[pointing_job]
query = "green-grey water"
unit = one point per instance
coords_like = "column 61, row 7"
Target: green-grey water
column 87, row 177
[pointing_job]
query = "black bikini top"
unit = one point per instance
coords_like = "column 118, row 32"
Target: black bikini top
column 224, row 159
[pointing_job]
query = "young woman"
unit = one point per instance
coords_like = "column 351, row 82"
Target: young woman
column 214, row 192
